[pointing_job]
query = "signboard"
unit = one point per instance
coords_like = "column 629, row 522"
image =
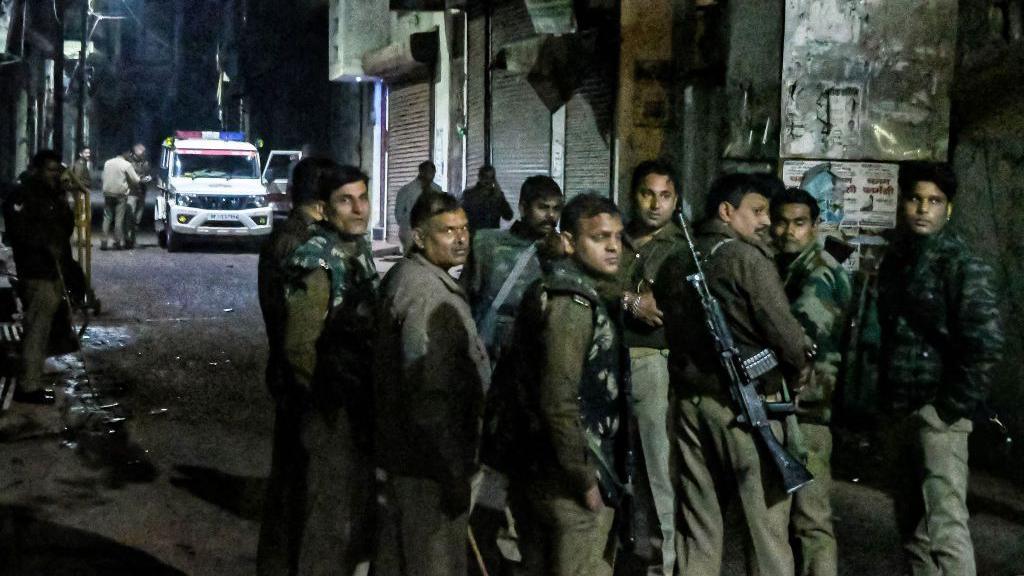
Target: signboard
column 867, row 80
column 849, row 194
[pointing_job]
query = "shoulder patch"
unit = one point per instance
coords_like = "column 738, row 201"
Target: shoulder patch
column 581, row 300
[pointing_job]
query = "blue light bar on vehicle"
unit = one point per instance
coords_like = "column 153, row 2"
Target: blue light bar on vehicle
column 209, row 135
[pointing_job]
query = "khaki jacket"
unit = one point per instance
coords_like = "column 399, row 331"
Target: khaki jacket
column 743, row 277
column 430, row 376
column 119, row 177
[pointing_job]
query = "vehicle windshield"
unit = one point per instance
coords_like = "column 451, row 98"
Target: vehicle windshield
column 216, row 164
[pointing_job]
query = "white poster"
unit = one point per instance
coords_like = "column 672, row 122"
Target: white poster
column 867, row 80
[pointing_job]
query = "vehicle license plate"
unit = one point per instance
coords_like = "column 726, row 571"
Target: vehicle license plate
column 223, row 217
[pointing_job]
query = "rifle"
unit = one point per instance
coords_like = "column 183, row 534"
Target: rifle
column 743, row 377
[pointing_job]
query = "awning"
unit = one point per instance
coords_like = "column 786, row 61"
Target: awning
column 406, row 60
column 551, row 64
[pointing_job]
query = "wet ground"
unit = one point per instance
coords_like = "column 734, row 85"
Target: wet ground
column 154, row 459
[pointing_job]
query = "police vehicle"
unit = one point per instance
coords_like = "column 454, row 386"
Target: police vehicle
column 211, row 186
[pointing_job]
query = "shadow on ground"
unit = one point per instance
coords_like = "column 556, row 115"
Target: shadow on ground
column 239, row 495
column 31, row 546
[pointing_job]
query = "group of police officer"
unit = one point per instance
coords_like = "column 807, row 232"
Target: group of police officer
column 573, row 334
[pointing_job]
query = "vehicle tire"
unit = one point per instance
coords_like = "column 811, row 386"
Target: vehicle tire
column 174, row 242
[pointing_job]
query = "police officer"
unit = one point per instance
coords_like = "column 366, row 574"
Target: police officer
column 503, row 263
column 432, row 369
column 819, row 293
column 941, row 339
column 284, row 506
column 330, row 304
column 719, row 460
column 136, row 202
column 568, row 327
column 39, row 225
column 652, row 238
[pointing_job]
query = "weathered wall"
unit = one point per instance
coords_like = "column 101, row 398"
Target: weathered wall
column 988, row 155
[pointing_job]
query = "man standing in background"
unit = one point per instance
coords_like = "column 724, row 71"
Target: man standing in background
column 485, row 203
column 406, row 199
column 119, row 177
column 136, row 201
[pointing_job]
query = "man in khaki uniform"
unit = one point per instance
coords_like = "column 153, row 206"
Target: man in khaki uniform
column 118, row 179
column 819, row 293
column 431, row 371
column 719, row 461
column 136, row 202
column 652, row 239
column 568, row 346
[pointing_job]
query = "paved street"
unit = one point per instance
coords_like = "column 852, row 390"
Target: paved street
column 176, row 486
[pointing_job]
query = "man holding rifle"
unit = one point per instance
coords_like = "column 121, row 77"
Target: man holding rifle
column 723, row 453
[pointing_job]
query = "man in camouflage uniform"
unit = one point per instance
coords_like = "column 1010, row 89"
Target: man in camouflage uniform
column 819, row 293
column 652, row 239
column 565, row 480
column 284, row 505
column 330, row 304
column 941, row 339
column 432, row 370
column 505, row 262
column 720, row 461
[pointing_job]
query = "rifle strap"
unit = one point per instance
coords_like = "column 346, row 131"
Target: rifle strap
column 506, row 290
column 715, row 248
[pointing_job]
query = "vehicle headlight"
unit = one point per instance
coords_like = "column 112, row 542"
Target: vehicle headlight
column 257, row 201
column 184, row 199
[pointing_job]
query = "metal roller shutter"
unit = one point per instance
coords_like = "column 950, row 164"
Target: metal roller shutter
column 587, row 150
column 408, row 140
column 475, row 95
column 521, row 123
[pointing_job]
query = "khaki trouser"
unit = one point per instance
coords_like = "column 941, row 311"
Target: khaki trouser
column 114, row 208
column 558, row 536
column 40, row 300
column 811, row 516
column 929, row 459
column 651, row 406
column 133, row 218
column 719, row 461
column 416, row 537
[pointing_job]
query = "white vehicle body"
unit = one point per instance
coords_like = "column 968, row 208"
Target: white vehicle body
column 211, row 187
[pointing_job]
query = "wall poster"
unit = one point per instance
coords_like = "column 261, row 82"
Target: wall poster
column 849, row 194
column 867, row 79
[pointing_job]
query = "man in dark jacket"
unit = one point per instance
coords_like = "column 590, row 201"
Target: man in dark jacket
column 485, row 203
column 39, row 225
column 720, row 461
column 431, row 370
column 284, row 506
column 941, row 339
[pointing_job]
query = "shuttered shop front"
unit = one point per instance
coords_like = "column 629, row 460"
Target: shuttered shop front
column 588, row 119
column 521, row 123
column 408, row 141
column 475, row 85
